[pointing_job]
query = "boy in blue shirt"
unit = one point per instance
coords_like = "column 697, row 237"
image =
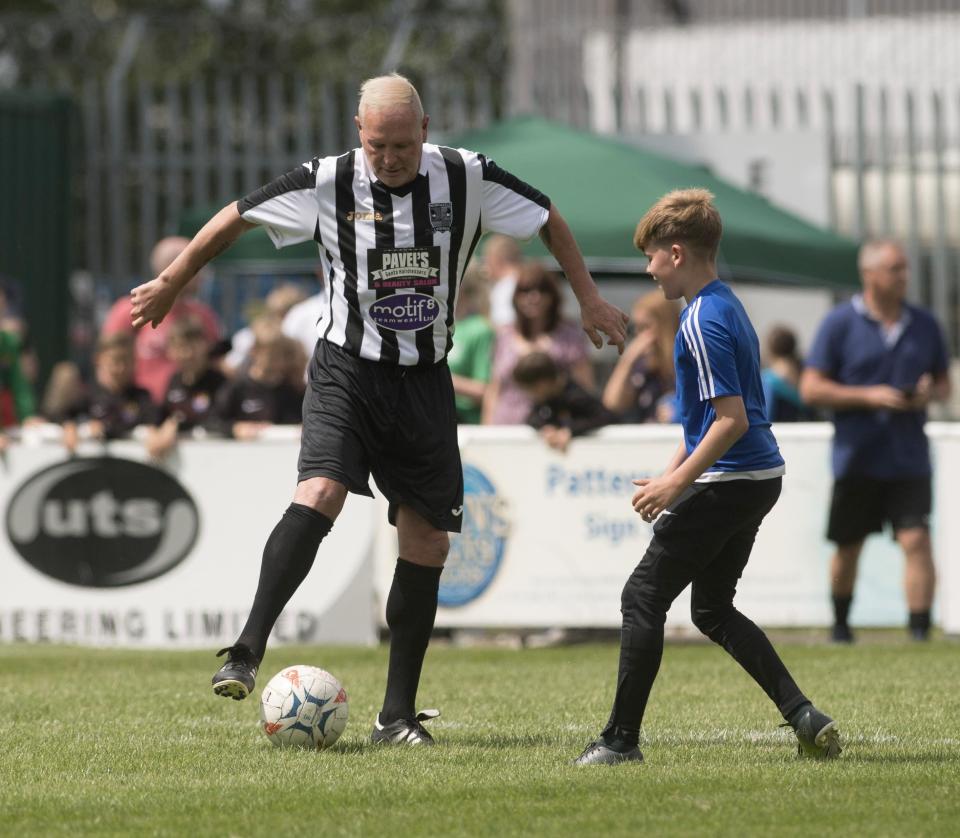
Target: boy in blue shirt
column 708, row 504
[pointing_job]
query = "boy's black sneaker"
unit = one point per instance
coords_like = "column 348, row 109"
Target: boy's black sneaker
column 598, row 753
column 404, row 731
column 817, row 734
column 237, row 677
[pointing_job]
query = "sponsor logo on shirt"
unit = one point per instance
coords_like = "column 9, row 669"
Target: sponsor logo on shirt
column 404, row 267
column 365, row 216
column 405, row 312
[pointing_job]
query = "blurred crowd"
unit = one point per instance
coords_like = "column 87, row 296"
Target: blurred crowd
column 516, row 359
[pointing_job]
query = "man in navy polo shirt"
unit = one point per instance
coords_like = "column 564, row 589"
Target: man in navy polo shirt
column 877, row 362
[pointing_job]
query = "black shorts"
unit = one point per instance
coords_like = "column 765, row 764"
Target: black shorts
column 862, row 505
column 397, row 423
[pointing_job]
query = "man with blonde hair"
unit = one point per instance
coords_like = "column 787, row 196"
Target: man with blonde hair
column 395, row 221
column 877, row 362
column 708, row 504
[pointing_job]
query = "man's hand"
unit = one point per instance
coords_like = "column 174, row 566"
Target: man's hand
column 152, row 302
column 654, row 495
column 600, row 316
column 885, row 397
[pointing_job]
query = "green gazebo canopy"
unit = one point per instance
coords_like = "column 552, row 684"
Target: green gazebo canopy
column 602, row 186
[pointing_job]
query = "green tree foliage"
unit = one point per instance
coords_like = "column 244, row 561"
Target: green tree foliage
column 60, row 42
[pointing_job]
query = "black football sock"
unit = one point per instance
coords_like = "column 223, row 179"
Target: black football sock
column 920, row 622
column 287, row 559
column 411, row 610
column 841, row 608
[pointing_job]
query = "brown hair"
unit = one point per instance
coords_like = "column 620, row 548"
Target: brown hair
column 684, row 215
column 117, row 340
column 535, row 367
column 666, row 319
column 535, row 275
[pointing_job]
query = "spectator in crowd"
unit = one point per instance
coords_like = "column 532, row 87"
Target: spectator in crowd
column 16, row 395
column 471, row 356
column 277, row 303
column 300, row 323
column 263, row 394
column 781, row 378
column 153, row 368
column 502, row 261
column 561, row 408
column 113, row 405
column 192, row 390
column 877, row 362
column 13, row 324
column 63, row 392
column 641, row 386
column 539, row 326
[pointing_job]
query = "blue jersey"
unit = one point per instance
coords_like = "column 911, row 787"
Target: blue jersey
column 854, row 349
column 717, row 353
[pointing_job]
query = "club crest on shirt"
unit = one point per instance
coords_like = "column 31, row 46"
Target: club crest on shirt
column 441, row 217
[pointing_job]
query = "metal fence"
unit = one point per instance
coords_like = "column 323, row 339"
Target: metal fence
column 151, row 152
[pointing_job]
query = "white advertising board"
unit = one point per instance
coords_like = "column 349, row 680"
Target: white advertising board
column 124, row 553
column 115, row 551
column 549, row 539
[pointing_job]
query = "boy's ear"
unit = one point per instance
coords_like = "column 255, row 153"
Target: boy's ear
column 678, row 254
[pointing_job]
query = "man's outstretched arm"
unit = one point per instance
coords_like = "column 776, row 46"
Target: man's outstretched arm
column 153, row 299
column 596, row 313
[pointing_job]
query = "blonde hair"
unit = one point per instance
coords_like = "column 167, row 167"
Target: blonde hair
column 390, row 91
column 872, row 252
column 684, row 215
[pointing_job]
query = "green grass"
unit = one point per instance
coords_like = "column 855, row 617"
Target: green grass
column 121, row 743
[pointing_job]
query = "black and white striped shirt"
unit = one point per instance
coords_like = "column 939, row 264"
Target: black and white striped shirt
column 393, row 256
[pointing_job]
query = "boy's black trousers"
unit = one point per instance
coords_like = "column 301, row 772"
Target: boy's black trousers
column 703, row 539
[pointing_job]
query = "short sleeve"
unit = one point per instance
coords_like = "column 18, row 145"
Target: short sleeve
column 710, row 342
column 508, row 205
column 286, row 207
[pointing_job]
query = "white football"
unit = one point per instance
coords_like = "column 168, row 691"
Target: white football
column 303, row 707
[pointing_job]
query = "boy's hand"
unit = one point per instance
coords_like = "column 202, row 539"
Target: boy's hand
column 654, row 495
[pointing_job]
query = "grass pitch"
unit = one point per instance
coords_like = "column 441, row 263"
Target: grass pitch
column 121, row 743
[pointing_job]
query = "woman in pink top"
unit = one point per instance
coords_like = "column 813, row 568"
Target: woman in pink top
column 539, row 326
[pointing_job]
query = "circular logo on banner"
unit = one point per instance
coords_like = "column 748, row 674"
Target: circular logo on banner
column 102, row 522
column 405, row 312
column 476, row 553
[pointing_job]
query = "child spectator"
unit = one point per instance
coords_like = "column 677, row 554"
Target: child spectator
column 562, row 409
column 781, row 378
column 264, row 394
column 193, row 387
column 641, row 386
column 113, row 405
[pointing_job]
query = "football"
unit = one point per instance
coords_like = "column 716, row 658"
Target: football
column 303, row 707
